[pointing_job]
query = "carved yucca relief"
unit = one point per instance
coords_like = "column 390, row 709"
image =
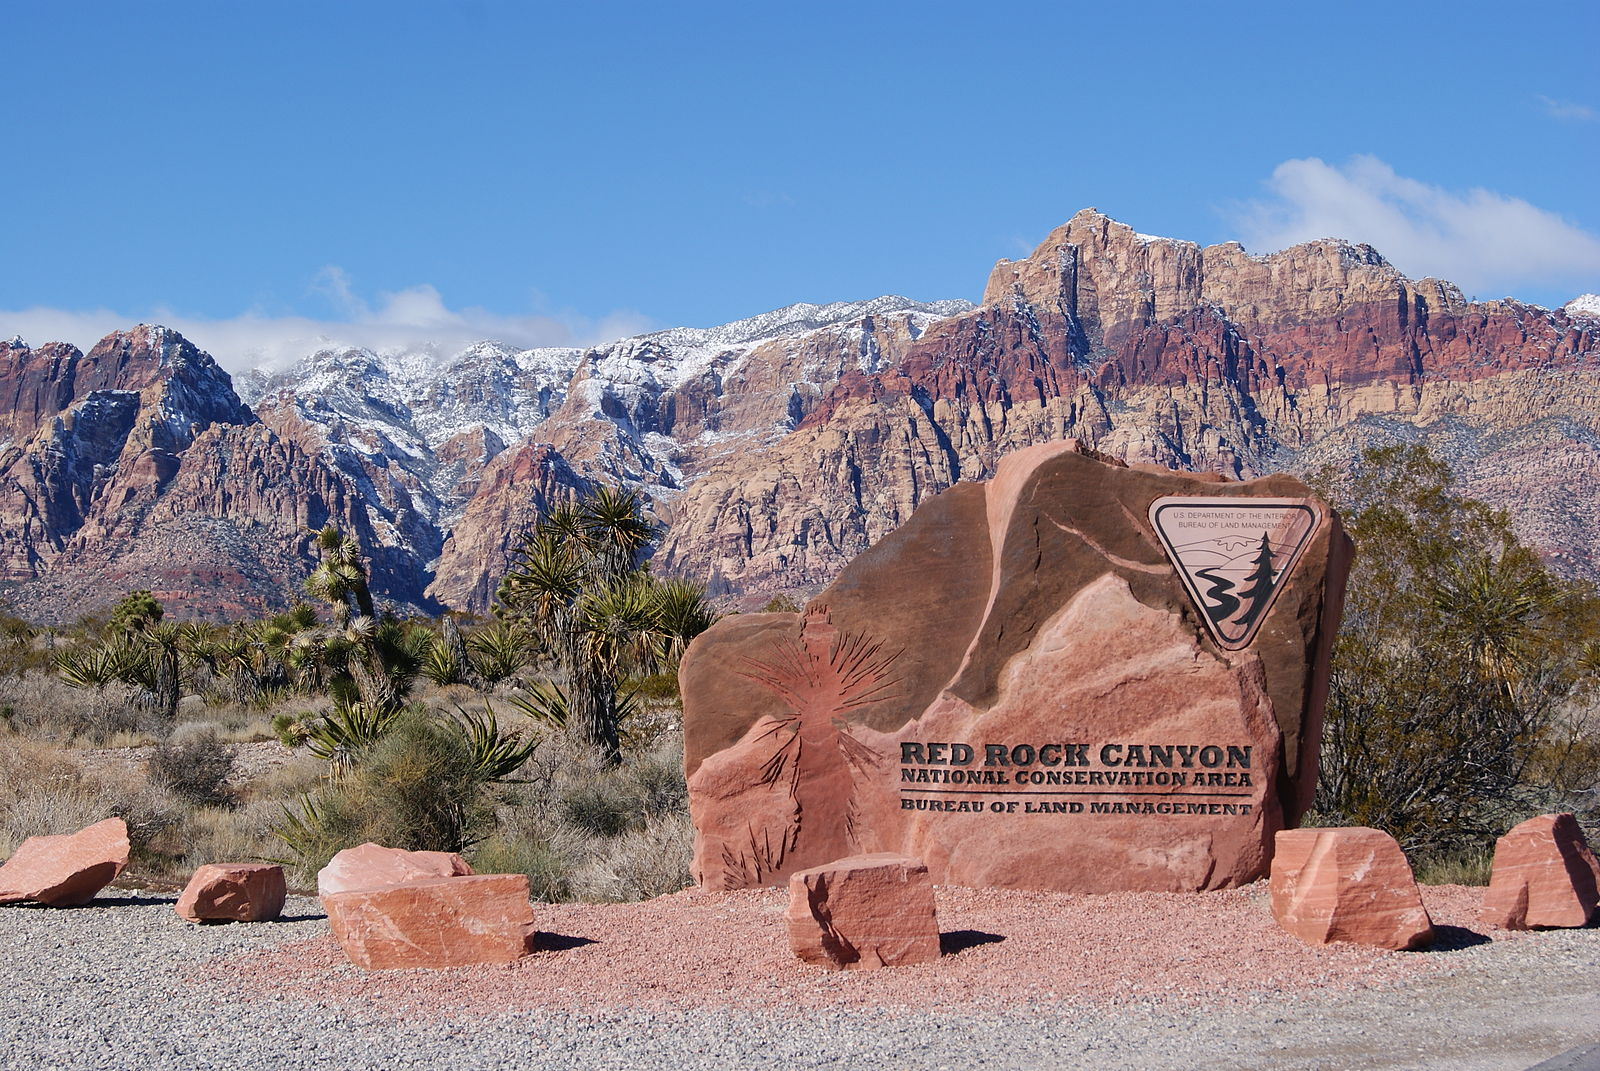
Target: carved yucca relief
column 825, row 678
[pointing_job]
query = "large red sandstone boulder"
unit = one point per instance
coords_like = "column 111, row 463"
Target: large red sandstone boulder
column 444, row 922
column 1544, row 875
column 1351, row 884
column 234, row 892
column 863, row 912
column 372, row 866
column 67, row 870
column 1077, row 676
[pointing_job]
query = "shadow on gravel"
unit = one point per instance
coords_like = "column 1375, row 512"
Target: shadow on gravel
column 960, row 940
column 558, row 942
column 205, row 923
column 100, row 901
column 1455, row 938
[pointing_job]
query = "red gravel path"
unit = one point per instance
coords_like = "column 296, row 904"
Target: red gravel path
column 707, row 950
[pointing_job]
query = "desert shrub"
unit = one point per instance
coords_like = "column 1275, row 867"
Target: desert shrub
column 659, row 687
column 548, row 868
column 286, row 781
column 1462, row 673
column 649, row 860
column 1470, row 867
column 419, row 787
column 585, row 830
column 45, row 707
column 194, row 765
column 600, row 800
column 42, row 793
column 150, row 811
column 239, row 834
column 602, row 807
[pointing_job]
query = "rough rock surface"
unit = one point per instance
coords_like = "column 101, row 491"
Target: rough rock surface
column 446, row 922
column 372, row 866
column 1159, row 351
column 137, row 466
column 1544, row 876
column 66, row 870
column 233, row 892
column 778, row 448
column 1349, row 884
column 1016, row 688
column 863, row 912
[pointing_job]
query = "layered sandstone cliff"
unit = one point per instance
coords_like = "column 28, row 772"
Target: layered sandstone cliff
column 1159, row 351
column 775, row 449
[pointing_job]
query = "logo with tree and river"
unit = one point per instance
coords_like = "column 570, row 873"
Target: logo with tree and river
column 1234, row 555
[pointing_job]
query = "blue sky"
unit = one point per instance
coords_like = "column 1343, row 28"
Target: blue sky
column 263, row 175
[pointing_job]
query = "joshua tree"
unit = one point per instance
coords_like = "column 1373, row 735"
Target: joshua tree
column 340, row 577
column 579, row 582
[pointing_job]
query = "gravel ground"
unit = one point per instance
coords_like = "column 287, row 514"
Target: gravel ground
column 699, row 980
column 250, row 760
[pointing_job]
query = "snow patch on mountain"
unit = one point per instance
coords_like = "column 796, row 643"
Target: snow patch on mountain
column 1587, row 305
column 385, row 414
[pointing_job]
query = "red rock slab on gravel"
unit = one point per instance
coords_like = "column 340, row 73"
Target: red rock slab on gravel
column 1544, row 876
column 234, row 892
column 863, row 912
column 372, row 866
column 67, row 870
column 1351, row 884
column 446, row 922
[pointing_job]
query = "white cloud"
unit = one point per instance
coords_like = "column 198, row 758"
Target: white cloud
column 1486, row 242
column 409, row 319
column 1567, row 109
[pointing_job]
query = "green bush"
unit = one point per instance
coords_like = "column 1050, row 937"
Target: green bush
column 419, row 788
column 1464, row 671
column 548, row 869
column 600, row 806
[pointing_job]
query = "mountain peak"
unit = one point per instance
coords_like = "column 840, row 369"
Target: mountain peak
column 1587, row 305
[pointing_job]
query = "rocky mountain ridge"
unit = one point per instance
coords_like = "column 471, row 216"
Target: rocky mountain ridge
column 776, row 448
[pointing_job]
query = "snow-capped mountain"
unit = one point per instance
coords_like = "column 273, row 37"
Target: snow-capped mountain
column 1583, row 305
column 774, row 449
column 398, row 409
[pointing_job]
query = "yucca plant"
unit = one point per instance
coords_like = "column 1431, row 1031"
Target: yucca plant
column 342, row 734
column 442, row 666
column 497, row 651
column 496, row 754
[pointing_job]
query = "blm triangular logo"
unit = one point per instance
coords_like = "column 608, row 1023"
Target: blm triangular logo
column 1234, row 555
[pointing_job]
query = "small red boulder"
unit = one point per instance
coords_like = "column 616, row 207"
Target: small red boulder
column 862, row 912
column 1350, row 884
column 372, row 866
column 1544, row 876
column 234, row 892
column 444, row 922
column 67, row 870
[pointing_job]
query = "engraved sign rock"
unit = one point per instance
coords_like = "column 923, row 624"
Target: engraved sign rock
column 1078, row 676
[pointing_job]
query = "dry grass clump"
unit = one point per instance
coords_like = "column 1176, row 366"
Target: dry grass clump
column 38, row 704
column 43, row 792
column 1466, row 868
column 193, row 765
column 587, row 831
column 177, row 798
